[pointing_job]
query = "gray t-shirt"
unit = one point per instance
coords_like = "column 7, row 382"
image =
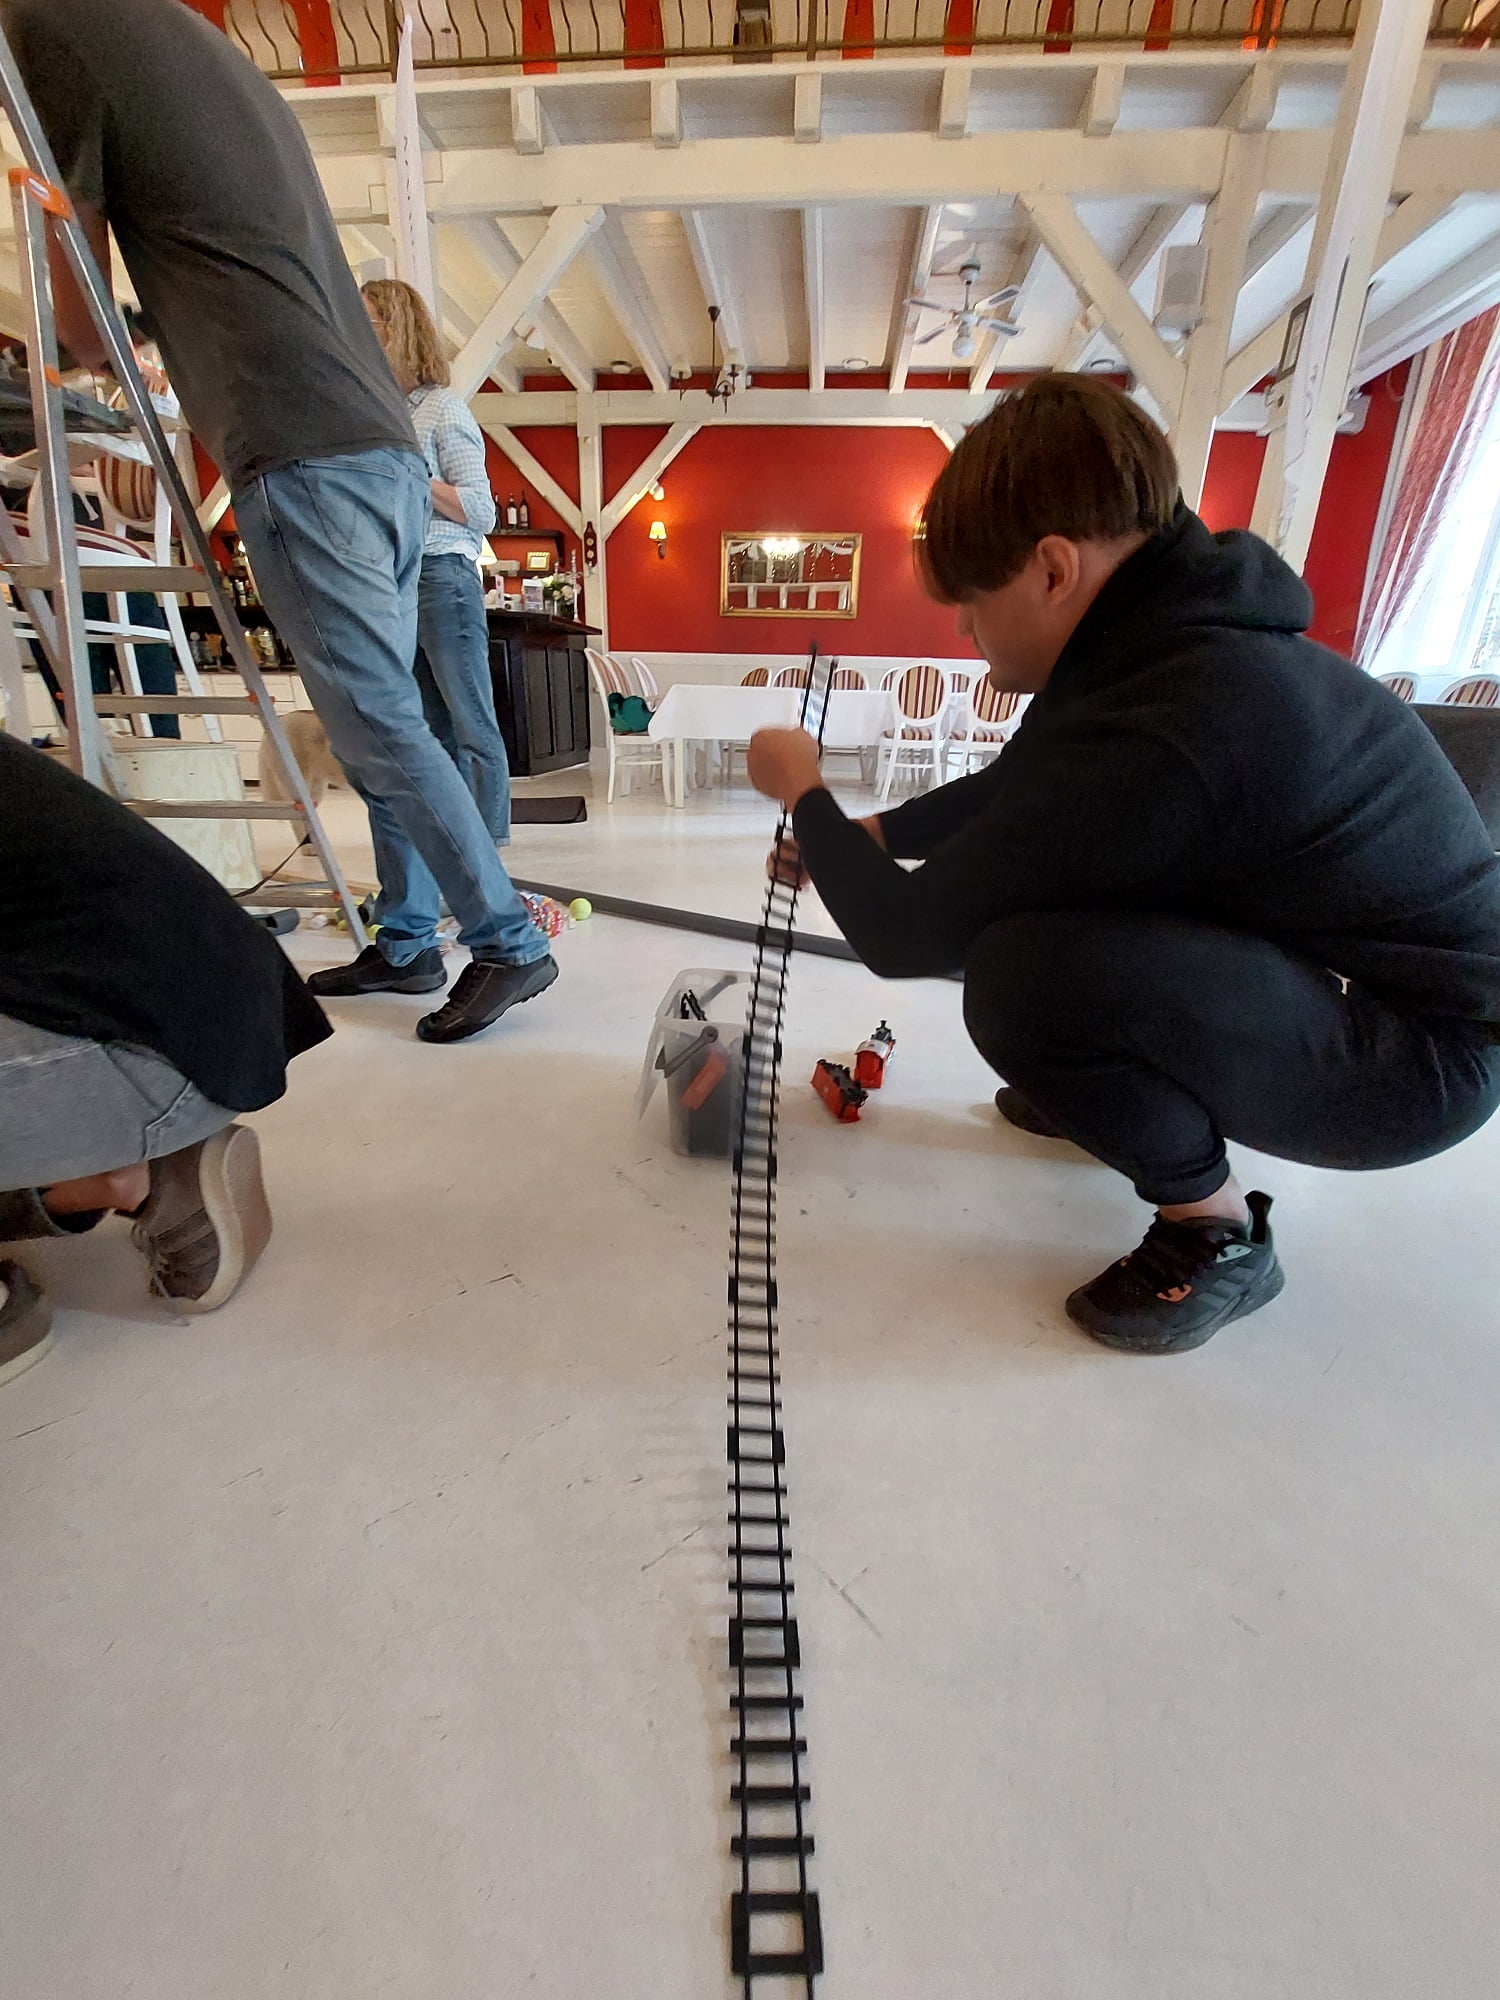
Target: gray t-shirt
column 206, row 179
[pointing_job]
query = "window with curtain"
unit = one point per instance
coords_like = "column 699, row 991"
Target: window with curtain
column 1433, row 607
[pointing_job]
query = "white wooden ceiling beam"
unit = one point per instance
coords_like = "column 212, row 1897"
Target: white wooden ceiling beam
column 1102, row 101
column 714, row 283
column 645, row 476
column 903, row 169
column 953, row 102
column 906, row 319
column 1226, row 236
column 812, row 288
column 807, row 108
column 528, row 466
column 1273, row 233
column 1099, row 284
column 619, row 274
column 1252, row 362
column 1023, row 275
column 546, row 329
column 1470, row 286
column 1253, row 105
column 568, row 229
column 1088, row 328
column 527, row 132
column 750, row 406
column 1368, row 140
column 666, row 111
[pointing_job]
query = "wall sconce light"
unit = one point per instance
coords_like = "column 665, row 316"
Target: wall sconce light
column 658, row 533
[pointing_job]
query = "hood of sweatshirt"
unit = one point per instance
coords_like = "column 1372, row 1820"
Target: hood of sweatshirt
column 1182, row 580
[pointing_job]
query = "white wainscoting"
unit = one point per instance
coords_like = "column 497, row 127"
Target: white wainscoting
column 729, row 669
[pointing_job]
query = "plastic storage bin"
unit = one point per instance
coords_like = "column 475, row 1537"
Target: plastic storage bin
column 697, row 1044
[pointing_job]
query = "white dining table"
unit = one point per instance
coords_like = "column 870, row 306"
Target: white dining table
column 694, row 712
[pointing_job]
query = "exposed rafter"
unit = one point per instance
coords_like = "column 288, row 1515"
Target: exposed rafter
column 812, row 289
column 905, row 319
column 529, row 466
column 1099, row 284
column 620, row 279
column 750, row 406
column 568, row 229
column 1087, row 329
column 546, row 329
column 1470, row 286
column 714, row 284
column 650, row 469
column 1023, row 277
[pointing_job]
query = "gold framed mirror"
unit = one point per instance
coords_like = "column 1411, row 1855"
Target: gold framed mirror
column 779, row 573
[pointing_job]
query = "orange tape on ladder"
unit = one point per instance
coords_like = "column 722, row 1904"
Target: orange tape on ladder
column 51, row 200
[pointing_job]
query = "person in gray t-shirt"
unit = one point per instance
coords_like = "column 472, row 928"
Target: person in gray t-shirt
column 165, row 133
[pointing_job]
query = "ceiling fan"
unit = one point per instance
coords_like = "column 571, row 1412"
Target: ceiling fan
column 973, row 317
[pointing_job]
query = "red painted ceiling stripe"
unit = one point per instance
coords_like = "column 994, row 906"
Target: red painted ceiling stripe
column 538, row 43
column 643, row 31
column 859, row 26
column 1059, row 25
column 1159, row 27
column 958, row 28
column 320, row 45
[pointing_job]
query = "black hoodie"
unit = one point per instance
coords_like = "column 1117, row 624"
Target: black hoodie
column 1193, row 754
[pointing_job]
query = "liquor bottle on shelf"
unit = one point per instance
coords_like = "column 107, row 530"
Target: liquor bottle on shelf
column 524, row 511
column 512, row 513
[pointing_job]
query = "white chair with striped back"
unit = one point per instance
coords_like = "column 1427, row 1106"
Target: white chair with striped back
column 1474, row 691
column 1402, row 686
column 916, row 743
column 987, row 719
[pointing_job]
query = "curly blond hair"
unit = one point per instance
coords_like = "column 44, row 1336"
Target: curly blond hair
column 407, row 331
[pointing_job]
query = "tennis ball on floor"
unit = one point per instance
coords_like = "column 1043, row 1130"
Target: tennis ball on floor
column 579, row 908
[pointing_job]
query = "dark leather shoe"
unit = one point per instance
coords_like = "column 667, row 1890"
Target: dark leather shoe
column 482, row 992
column 372, row 972
column 1014, row 1109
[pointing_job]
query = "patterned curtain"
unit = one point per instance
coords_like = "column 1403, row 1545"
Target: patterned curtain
column 1456, row 390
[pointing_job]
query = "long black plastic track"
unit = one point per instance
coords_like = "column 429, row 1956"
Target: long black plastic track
column 775, row 1925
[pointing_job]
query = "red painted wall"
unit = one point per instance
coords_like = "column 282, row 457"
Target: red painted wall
column 873, row 481
column 1340, row 549
column 866, row 481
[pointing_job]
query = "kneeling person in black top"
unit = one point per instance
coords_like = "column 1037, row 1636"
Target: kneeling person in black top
column 140, row 1010
column 1220, row 883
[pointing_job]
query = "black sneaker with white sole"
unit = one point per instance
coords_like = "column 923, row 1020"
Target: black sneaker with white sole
column 482, row 992
column 1186, row 1280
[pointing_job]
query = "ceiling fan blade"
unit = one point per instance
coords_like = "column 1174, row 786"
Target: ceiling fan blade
column 997, row 298
column 923, row 338
column 1002, row 328
column 932, row 305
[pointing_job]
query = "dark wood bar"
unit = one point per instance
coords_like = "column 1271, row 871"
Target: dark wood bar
column 541, row 689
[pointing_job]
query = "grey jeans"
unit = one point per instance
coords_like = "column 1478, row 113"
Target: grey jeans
column 71, row 1108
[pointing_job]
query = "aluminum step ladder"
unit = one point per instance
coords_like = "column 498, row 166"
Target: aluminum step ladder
column 51, row 589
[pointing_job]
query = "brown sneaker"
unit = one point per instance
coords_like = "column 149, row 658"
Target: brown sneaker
column 205, row 1221
column 25, row 1322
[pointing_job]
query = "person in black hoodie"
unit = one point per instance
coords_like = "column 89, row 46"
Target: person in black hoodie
column 1220, row 883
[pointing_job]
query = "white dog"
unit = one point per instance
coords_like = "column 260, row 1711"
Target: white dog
column 317, row 763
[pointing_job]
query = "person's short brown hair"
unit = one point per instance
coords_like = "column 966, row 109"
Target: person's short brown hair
column 1065, row 455
column 407, row 332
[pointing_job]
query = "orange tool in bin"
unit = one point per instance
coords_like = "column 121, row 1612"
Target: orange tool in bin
column 838, row 1090
column 871, row 1057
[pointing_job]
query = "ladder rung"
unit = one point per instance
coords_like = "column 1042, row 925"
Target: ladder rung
column 112, row 578
column 767, row 1746
column 211, row 809
column 288, row 896
column 175, row 704
column 771, row 1843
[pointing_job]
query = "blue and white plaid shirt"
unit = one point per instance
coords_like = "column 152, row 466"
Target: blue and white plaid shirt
column 454, row 447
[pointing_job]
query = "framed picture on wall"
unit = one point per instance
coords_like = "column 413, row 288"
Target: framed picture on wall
column 778, row 573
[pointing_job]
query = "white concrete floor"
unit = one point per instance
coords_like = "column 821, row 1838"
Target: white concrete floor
column 367, row 1639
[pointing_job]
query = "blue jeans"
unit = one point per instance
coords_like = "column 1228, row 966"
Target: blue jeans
column 458, row 695
column 336, row 546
